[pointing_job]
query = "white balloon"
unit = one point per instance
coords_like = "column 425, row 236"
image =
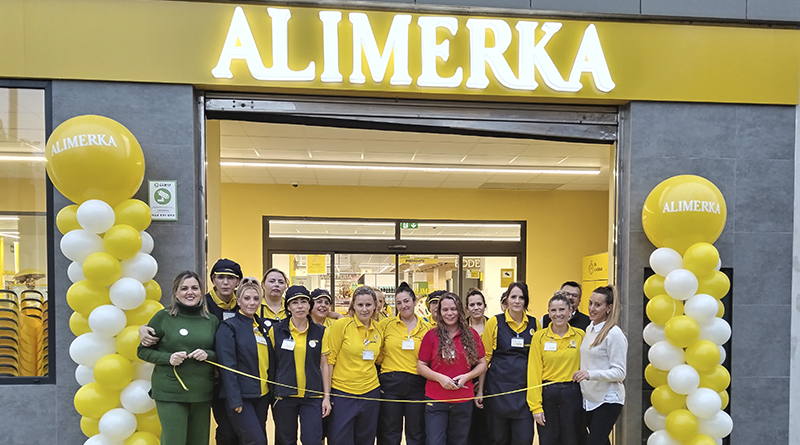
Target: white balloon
column 147, row 243
column 704, row 403
column 107, row 320
column 135, row 397
column 722, row 355
column 142, row 267
column 681, row 284
column 96, row 216
column 718, row 441
column 701, row 307
column 79, row 244
column 664, row 356
column 661, row 437
column 75, row 272
column 719, row 265
column 653, row 333
column 100, row 439
column 88, row 348
column 143, row 370
column 84, row 375
column 127, row 293
column 718, row 426
column 654, row 419
column 117, row 424
column 683, row 379
column 664, row 260
column 717, row 331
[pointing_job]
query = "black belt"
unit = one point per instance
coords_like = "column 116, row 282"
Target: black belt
column 550, row 383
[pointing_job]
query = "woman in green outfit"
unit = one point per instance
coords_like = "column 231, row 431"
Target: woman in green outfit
column 182, row 381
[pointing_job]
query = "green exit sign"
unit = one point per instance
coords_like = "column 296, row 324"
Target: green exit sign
column 409, row 225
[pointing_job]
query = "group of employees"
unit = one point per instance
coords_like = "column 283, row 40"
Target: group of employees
column 370, row 375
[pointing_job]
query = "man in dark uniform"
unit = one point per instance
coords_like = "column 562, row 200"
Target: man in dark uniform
column 572, row 291
column 225, row 276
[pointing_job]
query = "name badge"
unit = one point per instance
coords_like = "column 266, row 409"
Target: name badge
column 367, row 355
column 408, row 344
column 517, row 342
column 551, row 346
column 227, row 315
column 288, row 344
column 261, row 340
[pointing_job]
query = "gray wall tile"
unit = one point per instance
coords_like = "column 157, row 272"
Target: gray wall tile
column 765, row 189
column 733, row 9
column 589, row 6
column 755, row 131
column 760, row 410
column 25, row 410
column 782, row 10
column 766, row 258
column 67, row 420
column 759, row 322
column 514, row 4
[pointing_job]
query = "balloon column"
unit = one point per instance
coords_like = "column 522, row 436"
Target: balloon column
column 683, row 216
column 98, row 164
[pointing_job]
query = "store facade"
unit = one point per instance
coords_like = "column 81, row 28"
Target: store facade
column 660, row 99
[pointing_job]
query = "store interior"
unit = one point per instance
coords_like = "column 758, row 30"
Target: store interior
column 334, row 184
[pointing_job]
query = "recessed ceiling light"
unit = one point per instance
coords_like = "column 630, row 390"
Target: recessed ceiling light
column 427, row 168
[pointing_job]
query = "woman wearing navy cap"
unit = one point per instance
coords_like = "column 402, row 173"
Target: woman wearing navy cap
column 323, row 308
column 299, row 372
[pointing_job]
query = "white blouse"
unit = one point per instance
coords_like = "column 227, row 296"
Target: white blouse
column 606, row 364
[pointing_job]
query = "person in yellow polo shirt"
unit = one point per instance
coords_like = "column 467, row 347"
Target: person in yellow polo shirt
column 296, row 346
column 323, row 309
column 352, row 345
column 555, row 357
column 272, row 308
column 402, row 335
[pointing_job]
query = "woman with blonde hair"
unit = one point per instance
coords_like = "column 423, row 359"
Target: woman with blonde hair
column 603, row 365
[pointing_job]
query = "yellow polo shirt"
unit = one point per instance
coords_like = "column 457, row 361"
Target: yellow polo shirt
column 222, row 305
column 263, row 358
column 267, row 313
column 552, row 358
column 300, row 341
column 489, row 336
column 393, row 357
column 345, row 344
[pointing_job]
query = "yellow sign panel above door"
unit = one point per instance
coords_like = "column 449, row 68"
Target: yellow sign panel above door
column 338, row 51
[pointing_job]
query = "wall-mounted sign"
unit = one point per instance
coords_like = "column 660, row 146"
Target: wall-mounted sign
column 506, row 277
column 315, row 264
column 163, row 200
column 409, row 225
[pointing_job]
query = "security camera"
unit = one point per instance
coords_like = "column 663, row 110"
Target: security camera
column 295, row 185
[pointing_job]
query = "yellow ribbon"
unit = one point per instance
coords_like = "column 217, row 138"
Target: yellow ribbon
column 347, row 396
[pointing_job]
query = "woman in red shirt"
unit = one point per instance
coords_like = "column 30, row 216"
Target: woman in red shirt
column 450, row 356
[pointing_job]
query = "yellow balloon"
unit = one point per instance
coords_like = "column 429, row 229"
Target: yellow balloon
column 653, row 286
column 725, row 398
column 79, row 324
column 701, row 439
column 682, row 424
column 134, row 213
column 717, row 285
column 665, row 400
column 89, row 426
column 94, row 157
column 122, row 241
column 67, row 219
column 113, row 371
column 663, row 307
column 153, row 290
column 719, row 379
column 85, row 296
column 149, row 422
column 654, row 376
column 721, row 310
column 684, row 210
column 682, row 331
column 94, row 400
column 142, row 314
column 127, row 342
column 701, row 259
column 102, row 269
column 703, row 356
column 142, row 438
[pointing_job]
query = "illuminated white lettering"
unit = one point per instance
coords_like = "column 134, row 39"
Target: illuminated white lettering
column 378, row 62
column 330, row 46
column 591, row 59
column 533, row 55
column 480, row 55
column 430, row 51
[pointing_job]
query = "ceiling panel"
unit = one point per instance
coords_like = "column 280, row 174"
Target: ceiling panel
column 379, row 183
column 286, row 155
column 497, row 149
column 425, row 158
column 231, row 128
column 537, row 161
column 487, row 160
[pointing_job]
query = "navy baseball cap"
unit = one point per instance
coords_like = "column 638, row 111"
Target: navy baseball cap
column 225, row 266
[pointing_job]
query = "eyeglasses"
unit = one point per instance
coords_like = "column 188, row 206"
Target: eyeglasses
column 572, row 294
column 247, row 280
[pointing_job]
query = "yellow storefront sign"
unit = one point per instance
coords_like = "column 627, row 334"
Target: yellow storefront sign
column 315, row 264
column 594, row 273
column 399, row 53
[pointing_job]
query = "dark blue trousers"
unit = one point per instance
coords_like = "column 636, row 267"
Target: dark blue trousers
column 250, row 424
column 286, row 411
column 447, row 423
column 353, row 422
column 225, row 434
column 563, row 411
column 402, row 386
column 509, row 431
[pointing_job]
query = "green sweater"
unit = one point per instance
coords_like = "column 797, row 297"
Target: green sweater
column 186, row 331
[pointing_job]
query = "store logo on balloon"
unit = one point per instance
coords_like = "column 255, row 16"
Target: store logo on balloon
column 692, row 206
column 82, row 140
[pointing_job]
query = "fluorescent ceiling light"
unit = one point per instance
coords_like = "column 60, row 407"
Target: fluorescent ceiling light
column 458, row 238
column 486, row 225
column 23, row 158
column 424, row 168
column 9, row 218
column 333, row 237
column 9, row 235
column 334, row 223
